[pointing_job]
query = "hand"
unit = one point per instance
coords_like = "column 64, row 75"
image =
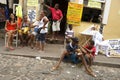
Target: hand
column 78, row 50
column 6, row 29
column 43, row 27
column 59, row 20
column 79, row 54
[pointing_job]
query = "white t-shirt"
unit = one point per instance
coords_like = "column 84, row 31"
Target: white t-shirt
column 69, row 33
column 40, row 24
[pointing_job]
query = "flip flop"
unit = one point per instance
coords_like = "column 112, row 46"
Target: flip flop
column 11, row 48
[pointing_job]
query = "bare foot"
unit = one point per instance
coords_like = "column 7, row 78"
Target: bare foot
column 91, row 73
column 6, row 47
column 11, row 48
column 54, row 68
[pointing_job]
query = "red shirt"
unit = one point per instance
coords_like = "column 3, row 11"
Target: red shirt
column 56, row 14
column 93, row 49
column 10, row 26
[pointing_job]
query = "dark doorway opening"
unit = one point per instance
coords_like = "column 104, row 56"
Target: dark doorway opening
column 63, row 4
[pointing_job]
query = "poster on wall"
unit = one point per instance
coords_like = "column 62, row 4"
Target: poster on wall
column 102, row 1
column 32, row 2
column 32, row 15
column 74, row 13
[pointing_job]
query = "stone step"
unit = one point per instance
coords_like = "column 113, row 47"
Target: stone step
column 58, row 41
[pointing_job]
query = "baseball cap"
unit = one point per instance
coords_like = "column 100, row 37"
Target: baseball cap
column 75, row 39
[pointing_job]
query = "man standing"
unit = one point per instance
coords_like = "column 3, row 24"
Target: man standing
column 56, row 17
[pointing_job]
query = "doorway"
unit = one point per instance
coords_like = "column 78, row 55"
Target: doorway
column 63, row 4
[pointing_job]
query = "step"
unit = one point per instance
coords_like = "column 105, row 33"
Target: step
column 58, row 41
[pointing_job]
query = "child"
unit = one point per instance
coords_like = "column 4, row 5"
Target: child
column 89, row 52
column 69, row 34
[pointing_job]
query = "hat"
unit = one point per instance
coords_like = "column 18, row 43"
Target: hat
column 75, row 39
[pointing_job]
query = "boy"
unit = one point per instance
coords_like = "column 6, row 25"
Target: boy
column 89, row 52
column 69, row 34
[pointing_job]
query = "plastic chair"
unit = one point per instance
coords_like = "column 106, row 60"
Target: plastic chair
column 15, row 39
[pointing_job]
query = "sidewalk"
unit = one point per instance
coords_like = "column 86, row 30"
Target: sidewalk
column 53, row 51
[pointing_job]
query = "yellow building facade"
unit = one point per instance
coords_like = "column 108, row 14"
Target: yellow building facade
column 111, row 29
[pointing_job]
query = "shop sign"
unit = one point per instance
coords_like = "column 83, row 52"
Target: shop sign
column 74, row 13
column 102, row 1
column 32, row 2
column 94, row 4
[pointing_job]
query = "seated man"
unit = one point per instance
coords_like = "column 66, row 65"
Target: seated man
column 73, row 53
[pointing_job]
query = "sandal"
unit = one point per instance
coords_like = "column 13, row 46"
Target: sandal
column 11, row 48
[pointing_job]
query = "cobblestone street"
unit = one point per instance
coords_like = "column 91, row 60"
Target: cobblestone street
column 26, row 68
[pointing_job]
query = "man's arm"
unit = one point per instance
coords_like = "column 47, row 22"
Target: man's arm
column 61, row 18
column 89, row 51
column 61, row 15
column 45, row 5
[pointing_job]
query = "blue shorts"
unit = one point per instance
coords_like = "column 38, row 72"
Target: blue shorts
column 72, row 58
column 41, row 37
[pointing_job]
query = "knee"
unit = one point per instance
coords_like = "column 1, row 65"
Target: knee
column 65, row 52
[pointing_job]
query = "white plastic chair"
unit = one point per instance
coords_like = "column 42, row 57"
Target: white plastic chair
column 15, row 39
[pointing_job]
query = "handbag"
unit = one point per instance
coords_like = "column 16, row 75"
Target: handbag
column 38, row 31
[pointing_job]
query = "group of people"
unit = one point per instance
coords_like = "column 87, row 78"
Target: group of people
column 73, row 52
column 29, row 32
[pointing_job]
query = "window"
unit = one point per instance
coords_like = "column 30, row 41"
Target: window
column 91, row 12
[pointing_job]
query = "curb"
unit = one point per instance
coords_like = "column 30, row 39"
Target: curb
column 98, row 63
column 107, row 64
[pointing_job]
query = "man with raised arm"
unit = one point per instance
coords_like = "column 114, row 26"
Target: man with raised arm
column 56, row 18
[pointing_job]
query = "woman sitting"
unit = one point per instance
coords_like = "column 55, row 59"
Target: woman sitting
column 11, row 28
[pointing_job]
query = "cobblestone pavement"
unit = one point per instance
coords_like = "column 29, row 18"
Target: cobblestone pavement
column 26, row 68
